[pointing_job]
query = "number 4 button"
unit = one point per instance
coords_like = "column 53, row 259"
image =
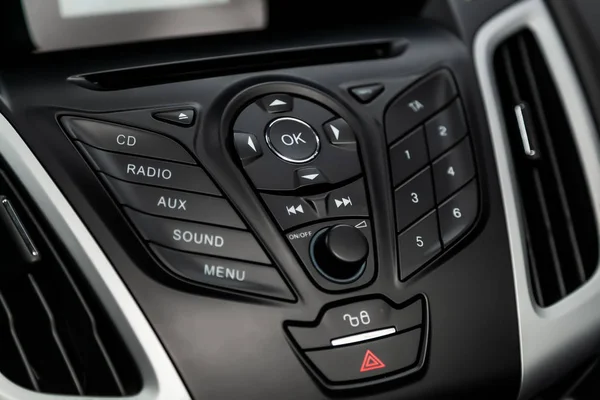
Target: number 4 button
column 453, row 170
column 458, row 213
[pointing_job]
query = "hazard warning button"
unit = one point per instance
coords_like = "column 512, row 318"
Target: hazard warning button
column 369, row 360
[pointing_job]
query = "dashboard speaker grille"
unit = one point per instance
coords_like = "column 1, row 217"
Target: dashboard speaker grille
column 54, row 336
column 557, row 212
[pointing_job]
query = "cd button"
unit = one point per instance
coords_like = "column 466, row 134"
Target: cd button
column 123, row 139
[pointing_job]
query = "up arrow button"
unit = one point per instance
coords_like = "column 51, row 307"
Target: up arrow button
column 277, row 103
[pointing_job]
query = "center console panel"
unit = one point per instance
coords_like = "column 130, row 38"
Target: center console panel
column 336, row 227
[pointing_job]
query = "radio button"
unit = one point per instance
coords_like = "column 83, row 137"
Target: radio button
column 151, row 172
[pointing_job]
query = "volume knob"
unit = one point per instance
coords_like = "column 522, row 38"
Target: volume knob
column 340, row 252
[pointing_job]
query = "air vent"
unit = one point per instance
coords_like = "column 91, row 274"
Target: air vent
column 557, row 211
column 55, row 337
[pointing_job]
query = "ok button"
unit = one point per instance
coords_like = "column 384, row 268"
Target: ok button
column 292, row 140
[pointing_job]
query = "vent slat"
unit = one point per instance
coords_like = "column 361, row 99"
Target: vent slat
column 550, row 152
column 557, row 212
column 8, row 335
column 549, row 233
column 81, row 335
column 55, row 336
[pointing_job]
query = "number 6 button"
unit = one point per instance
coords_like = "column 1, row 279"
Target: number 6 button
column 418, row 245
column 458, row 213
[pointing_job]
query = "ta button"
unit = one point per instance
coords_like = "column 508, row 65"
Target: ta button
column 292, row 140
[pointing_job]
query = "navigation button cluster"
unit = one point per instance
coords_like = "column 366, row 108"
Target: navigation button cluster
column 365, row 341
column 304, row 161
column 430, row 164
column 175, row 206
column 299, row 132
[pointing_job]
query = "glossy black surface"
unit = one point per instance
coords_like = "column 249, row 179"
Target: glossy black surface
column 469, row 287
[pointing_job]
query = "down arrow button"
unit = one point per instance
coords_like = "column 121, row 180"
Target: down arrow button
column 309, row 176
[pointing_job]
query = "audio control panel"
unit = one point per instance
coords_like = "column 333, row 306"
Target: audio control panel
column 303, row 161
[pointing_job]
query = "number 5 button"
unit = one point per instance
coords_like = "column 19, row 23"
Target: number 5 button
column 453, row 170
column 418, row 245
column 458, row 213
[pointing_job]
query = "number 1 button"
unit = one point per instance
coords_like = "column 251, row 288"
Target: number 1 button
column 418, row 245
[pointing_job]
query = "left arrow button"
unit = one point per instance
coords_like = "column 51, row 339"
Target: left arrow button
column 247, row 147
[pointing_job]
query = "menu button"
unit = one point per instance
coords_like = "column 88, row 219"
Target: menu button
column 224, row 273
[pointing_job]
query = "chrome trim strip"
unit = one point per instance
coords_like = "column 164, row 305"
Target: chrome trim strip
column 25, row 237
column 556, row 338
column 160, row 378
column 361, row 337
column 529, row 152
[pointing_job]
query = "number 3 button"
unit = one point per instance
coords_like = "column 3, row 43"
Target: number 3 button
column 458, row 213
column 414, row 199
column 418, row 245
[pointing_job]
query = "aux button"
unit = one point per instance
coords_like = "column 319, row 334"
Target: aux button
column 292, row 140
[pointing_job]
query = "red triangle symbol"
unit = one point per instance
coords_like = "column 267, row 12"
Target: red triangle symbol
column 371, row 362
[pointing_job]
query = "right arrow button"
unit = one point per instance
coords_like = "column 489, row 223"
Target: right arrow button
column 339, row 132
